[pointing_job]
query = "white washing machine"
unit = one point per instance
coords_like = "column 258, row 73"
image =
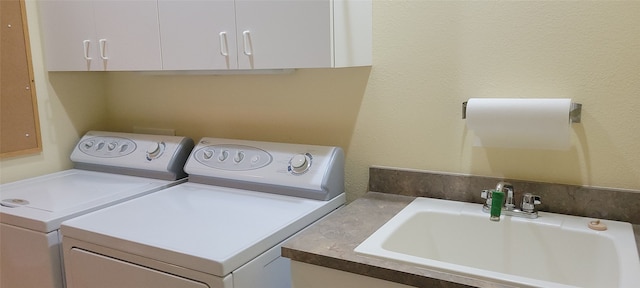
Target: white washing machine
column 221, row 229
column 109, row 168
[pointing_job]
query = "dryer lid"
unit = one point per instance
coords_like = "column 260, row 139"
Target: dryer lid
column 210, row 229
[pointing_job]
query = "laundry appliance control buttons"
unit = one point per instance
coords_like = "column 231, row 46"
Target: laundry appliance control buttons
column 223, row 156
column 88, row 144
column 207, row 154
column 232, row 157
column 107, row 147
column 239, row 157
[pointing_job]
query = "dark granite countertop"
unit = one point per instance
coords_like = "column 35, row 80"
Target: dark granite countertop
column 330, row 243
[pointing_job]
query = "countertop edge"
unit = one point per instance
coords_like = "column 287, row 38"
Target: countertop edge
column 330, row 242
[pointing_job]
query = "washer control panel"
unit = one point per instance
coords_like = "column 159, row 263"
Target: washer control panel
column 105, row 146
column 232, row 157
column 135, row 154
column 308, row 171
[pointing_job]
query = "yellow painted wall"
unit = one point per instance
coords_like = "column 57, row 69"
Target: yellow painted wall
column 429, row 57
column 69, row 104
column 588, row 51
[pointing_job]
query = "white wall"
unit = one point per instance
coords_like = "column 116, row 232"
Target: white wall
column 429, row 57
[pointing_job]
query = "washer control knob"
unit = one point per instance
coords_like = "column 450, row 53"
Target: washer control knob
column 223, row 156
column 155, row 150
column 88, row 144
column 239, row 157
column 300, row 163
column 112, row 146
column 207, row 154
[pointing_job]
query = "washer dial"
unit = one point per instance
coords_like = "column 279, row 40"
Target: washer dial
column 300, row 163
column 155, row 150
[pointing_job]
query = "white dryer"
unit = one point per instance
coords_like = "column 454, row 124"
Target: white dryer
column 221, row 229
column 109, row 168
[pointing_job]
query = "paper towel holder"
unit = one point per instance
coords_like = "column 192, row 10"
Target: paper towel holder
column 575, row 112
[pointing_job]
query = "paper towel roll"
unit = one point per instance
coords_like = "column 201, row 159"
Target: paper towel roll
column 528, row 123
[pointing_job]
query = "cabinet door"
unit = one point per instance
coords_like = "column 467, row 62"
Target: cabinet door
column 128, row 34
column 69, row 35
column 198, row 35
column 284, row 33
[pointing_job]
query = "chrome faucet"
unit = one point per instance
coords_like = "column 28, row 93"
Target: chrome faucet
column 527, row 208
column 507, row 188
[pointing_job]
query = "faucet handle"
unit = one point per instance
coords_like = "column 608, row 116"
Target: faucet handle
column 529, row 201
column 486, row 194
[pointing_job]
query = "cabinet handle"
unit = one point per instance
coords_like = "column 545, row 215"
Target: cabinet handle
column 224, row 48
column 103, row 47
column 246, row 36
column 85, row 48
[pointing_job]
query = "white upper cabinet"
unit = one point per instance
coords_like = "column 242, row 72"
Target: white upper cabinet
column 352, row 33
column 130, row 32
column 284, row 34
column 205, row 34
column 264, row 34
column 101, row 35
column 303, row 33
column 198, row 35
column 69, row 35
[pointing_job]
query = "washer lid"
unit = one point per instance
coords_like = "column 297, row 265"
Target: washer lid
column 42, row 203
column 206, row 228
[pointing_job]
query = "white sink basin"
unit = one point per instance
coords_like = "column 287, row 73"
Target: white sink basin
column 553, row 250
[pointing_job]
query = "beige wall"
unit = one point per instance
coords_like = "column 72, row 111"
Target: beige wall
column 429, row 57
column 68, row 104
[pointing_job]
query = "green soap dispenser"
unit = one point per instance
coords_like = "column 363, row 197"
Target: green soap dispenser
column 497, row 198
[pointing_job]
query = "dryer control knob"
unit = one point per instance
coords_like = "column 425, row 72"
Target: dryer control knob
column 155, row 150
column 300, row 163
